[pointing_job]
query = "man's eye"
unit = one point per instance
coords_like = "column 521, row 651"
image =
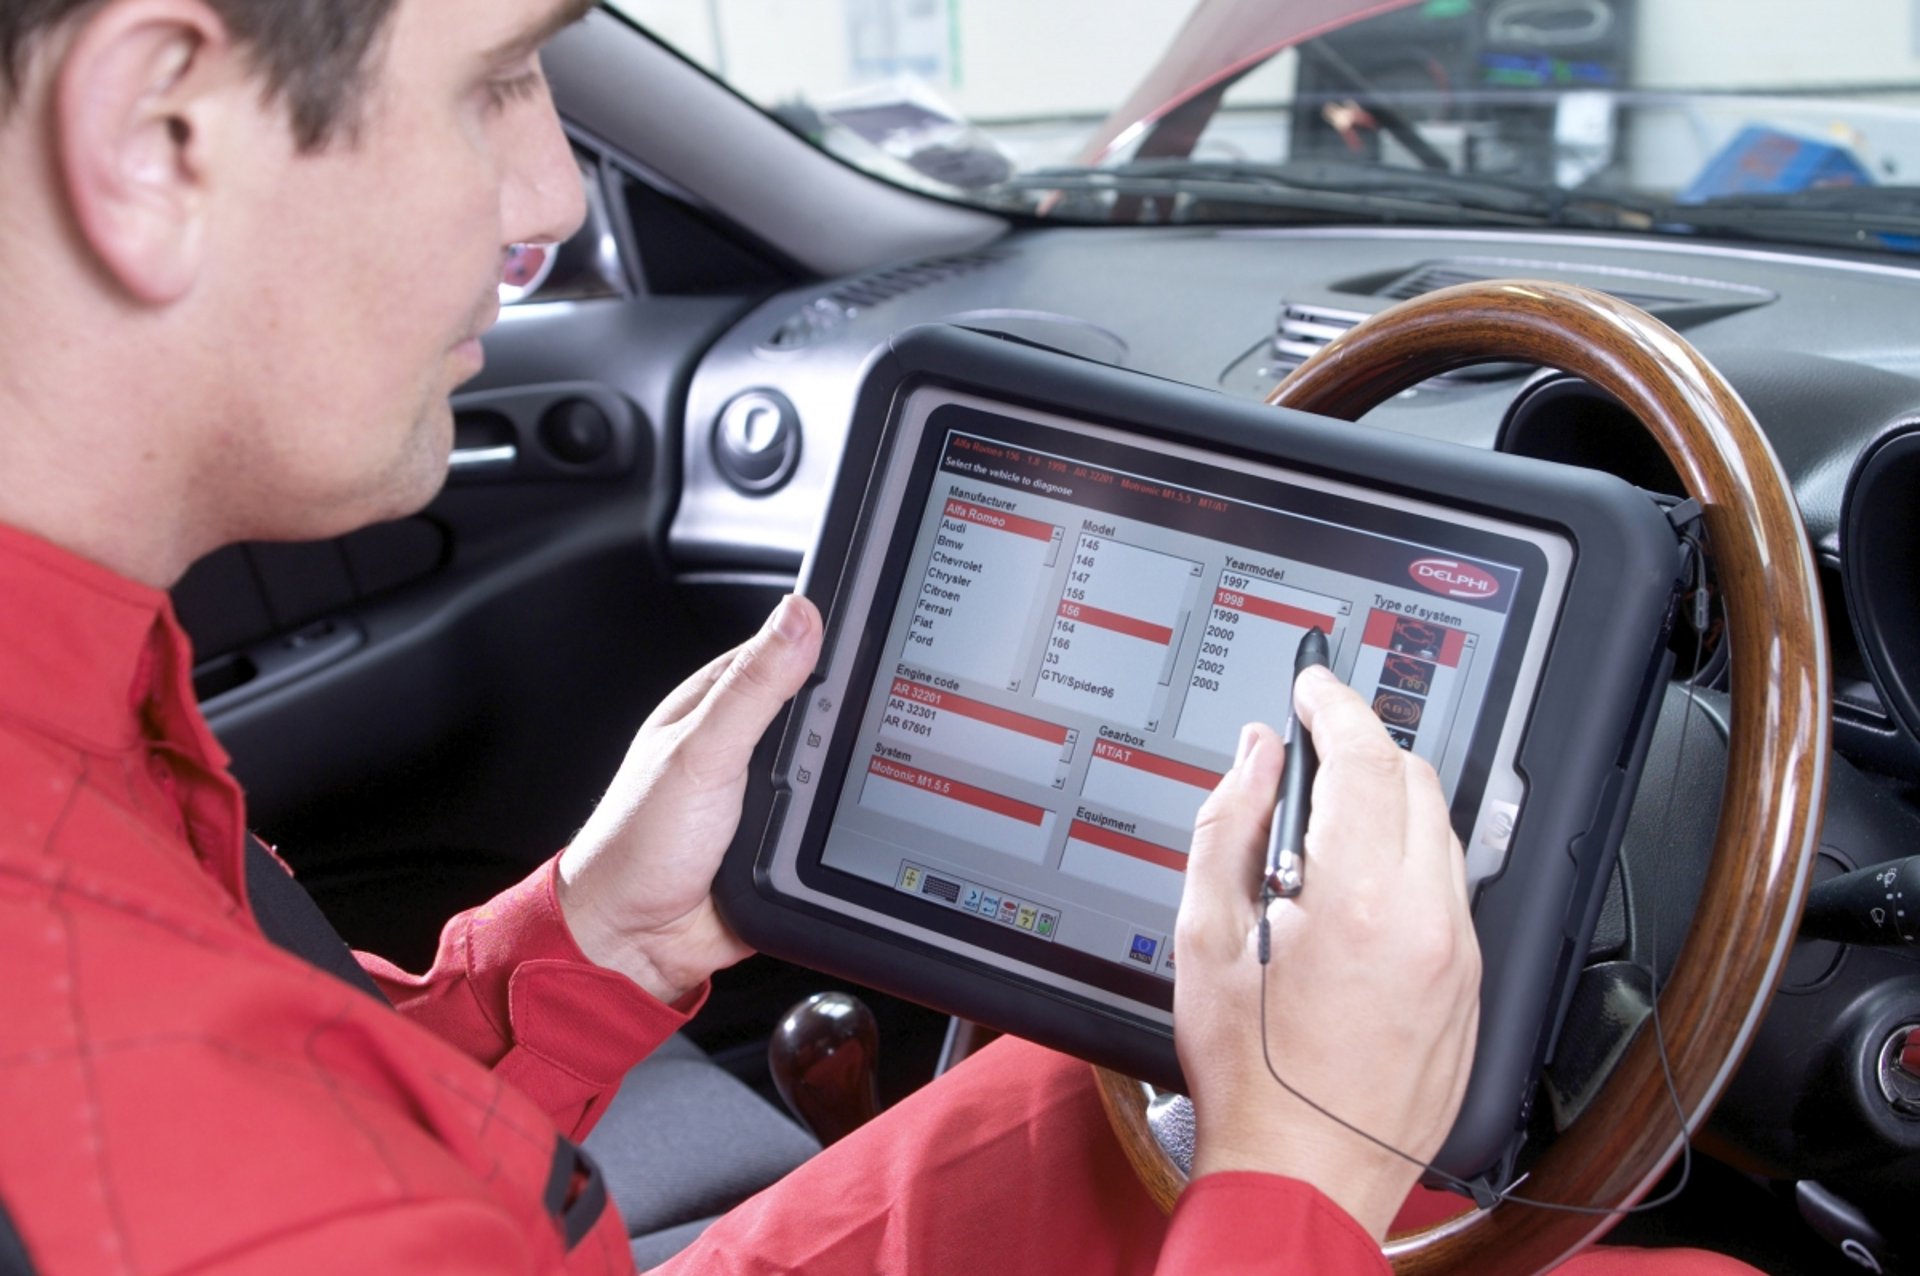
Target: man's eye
column 501, row 93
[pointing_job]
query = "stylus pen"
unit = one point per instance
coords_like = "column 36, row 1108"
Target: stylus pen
column 1287, row 843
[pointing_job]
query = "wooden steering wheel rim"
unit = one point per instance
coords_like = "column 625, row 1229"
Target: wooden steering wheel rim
column 1775, row 787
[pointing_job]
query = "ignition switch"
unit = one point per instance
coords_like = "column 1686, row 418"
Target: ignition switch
column 1900, row 1070
column 756, row 441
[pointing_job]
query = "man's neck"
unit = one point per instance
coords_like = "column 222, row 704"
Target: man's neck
column 70, row 479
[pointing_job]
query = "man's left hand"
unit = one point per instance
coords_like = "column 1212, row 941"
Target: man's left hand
column 636, row 885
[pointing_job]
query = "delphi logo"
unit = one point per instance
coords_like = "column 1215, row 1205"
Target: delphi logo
column 1453, row 578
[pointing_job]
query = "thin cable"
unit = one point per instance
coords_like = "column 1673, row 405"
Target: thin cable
column 1652, row 968
column 1481, row 1196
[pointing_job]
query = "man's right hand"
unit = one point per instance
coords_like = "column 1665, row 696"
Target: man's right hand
column 1373, row 990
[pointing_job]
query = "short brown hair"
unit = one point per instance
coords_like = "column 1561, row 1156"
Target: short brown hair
column 313, row 54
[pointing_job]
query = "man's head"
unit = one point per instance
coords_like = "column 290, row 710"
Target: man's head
column 246, row 250
column 313, row 54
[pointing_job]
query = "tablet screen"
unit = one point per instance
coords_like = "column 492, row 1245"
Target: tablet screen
column 1075, row 630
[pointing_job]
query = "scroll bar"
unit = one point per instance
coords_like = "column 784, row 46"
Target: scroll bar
column 1173, row 648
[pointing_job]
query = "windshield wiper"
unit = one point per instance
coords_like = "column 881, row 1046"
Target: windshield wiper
column 1335, row 186
column 1847, row 216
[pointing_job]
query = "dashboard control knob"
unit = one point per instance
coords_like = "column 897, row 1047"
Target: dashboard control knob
column 1900, row 1070
column 756, row 441
column 577, row 431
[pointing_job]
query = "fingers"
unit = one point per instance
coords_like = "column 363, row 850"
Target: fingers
column 760, row 678
column 1360, row 795
column 1342, row 724
column 1427, row 811
column 1230, row 839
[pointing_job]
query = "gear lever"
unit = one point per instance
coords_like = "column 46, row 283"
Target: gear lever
column 825, row 1062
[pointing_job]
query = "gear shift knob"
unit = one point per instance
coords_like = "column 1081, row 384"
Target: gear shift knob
column 825, row 1062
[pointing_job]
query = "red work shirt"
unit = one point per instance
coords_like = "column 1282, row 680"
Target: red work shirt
column 177, row 1092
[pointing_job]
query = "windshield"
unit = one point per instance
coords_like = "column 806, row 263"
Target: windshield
column 1768, row 119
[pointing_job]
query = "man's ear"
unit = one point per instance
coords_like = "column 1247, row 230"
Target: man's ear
column 136, row 97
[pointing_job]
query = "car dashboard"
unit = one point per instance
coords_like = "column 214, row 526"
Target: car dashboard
column 1812, row 341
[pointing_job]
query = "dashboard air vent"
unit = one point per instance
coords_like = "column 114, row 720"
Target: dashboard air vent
column 823, row 315
column 1305, row 329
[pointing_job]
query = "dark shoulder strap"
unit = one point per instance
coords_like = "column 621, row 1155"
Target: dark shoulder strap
column 14, row 1259
column 288, row 916
column 576, row 1193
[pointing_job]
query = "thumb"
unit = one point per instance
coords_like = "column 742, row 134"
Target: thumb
column 1230, row 837
column 765, row 673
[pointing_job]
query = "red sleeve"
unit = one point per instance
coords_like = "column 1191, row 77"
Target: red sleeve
column 511, row 988
column 1235, row 1222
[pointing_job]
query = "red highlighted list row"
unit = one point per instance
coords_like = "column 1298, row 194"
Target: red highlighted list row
column 1154, row 764
column 1100, row 618
column 936, row 699
column 1266, row 608
column 1116, row 859
column 941, row 786
column 1145, row 784
column 918, row 717
column 955, row 807
column 979, row 515
column 1151, row 852
column 1108, row 852
column 1421, row 639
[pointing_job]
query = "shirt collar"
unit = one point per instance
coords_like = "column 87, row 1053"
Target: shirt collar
column 87, row 654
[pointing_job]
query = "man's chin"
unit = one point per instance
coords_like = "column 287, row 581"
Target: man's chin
column 419, row 474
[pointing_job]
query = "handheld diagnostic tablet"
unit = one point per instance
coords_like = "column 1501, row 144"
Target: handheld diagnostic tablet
column 1055, row 591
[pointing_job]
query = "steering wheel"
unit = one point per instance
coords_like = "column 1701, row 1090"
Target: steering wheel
column 1775, row 785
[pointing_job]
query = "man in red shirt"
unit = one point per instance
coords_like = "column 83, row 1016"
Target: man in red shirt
column 201, row 199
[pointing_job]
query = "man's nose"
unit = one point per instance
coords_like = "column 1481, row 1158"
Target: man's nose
column 543, row 199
